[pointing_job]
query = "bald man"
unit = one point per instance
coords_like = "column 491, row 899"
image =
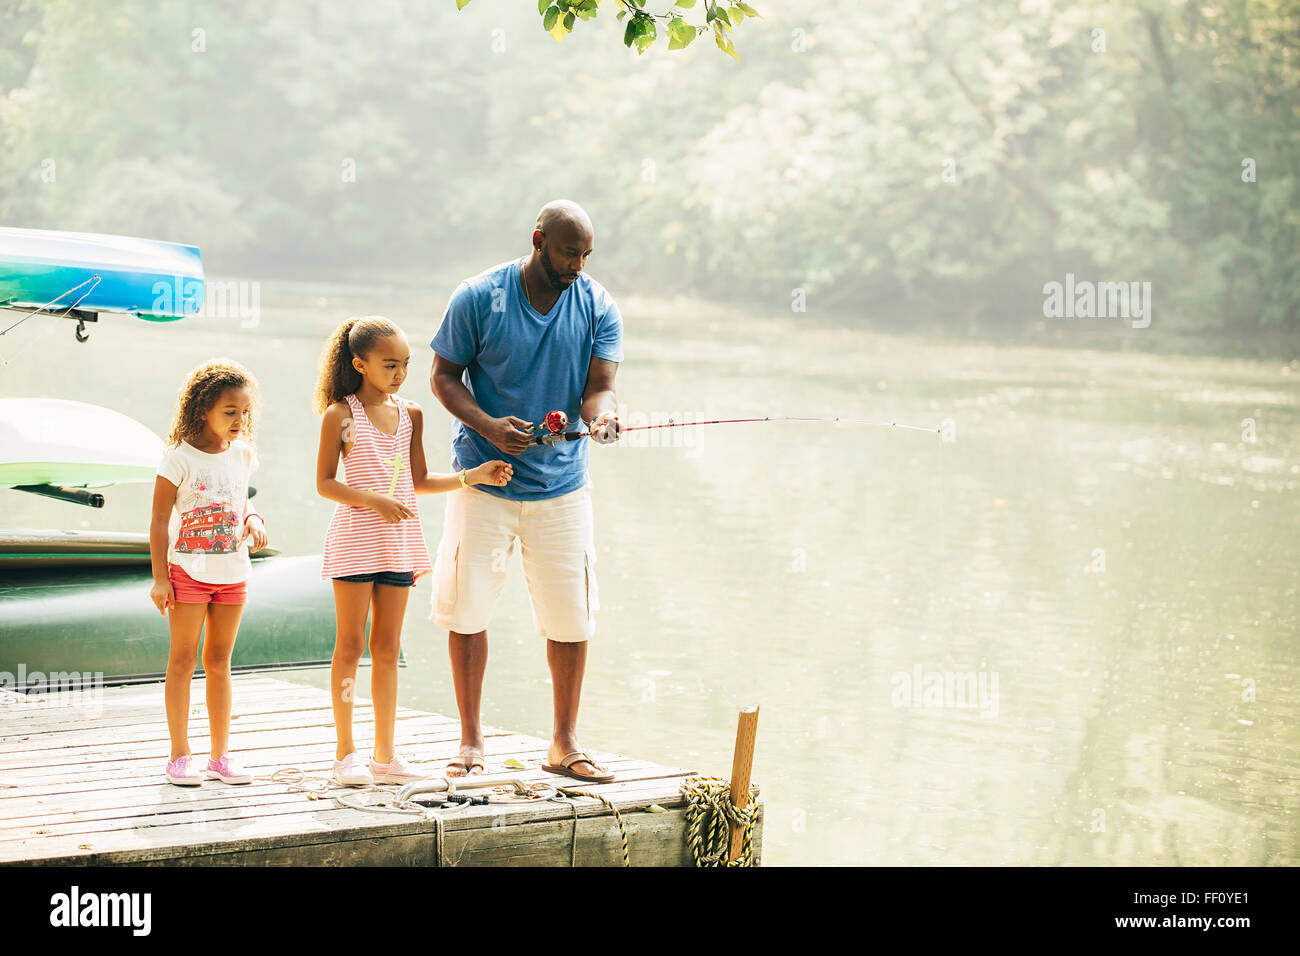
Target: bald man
column 524, row 338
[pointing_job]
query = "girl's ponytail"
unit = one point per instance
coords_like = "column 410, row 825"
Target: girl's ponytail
column 337, row 376
column 354, row 338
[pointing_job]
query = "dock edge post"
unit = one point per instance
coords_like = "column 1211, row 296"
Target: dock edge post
column 742, row 763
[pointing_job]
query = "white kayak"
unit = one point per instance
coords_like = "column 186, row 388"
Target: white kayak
column 53, row 441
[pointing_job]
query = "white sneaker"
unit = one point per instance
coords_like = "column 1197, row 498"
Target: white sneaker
column 398, row 771
column 351, row 772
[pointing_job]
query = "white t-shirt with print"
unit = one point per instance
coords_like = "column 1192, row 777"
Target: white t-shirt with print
column 205, row 535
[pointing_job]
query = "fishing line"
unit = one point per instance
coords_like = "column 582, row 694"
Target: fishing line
column 781, row 418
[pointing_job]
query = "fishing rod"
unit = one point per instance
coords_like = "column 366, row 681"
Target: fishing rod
column 552, row 430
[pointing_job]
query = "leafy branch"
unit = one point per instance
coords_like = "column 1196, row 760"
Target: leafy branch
column 721, row 17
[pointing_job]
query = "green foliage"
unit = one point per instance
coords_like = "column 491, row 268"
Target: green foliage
column 559, row 16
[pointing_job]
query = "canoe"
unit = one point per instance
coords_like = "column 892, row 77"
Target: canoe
column 151, row 279
column 68, row 617
column 53, row 441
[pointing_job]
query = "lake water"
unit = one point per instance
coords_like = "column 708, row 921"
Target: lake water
column 1063, row 632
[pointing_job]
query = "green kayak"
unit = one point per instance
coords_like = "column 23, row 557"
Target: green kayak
column 78, row 602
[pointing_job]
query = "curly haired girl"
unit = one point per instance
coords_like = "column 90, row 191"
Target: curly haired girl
column 200, row 537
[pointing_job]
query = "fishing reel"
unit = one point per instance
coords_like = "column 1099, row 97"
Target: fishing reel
column 552, row 430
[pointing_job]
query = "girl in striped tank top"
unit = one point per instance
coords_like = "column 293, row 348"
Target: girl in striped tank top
column 374, row 546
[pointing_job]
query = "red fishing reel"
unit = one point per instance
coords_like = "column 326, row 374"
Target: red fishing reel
column 552, row 430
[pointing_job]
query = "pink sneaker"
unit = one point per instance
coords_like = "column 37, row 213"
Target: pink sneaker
column 228, row 770
column 351, row 772
column 184, row 772
column 397, row 771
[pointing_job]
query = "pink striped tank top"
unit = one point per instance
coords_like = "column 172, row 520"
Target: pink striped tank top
column 358, row 541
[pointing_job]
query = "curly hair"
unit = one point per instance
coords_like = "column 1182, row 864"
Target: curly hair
column 354, row 338
column 200, row 393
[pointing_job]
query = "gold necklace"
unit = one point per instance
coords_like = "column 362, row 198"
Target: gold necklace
column 523, row 274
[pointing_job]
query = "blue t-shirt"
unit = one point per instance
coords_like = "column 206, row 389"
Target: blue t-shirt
column 519, row 362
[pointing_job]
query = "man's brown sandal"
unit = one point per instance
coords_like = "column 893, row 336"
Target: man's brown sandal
column 565, row 767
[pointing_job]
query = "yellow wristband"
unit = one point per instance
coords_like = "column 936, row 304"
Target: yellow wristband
column 463, row 483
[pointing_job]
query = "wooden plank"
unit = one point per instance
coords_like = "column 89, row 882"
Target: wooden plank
column 405, row 850
column 654, row 839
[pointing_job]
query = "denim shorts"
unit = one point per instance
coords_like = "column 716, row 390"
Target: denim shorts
column 394, row 579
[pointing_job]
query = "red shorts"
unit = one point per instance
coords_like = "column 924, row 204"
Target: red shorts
column 189, row 591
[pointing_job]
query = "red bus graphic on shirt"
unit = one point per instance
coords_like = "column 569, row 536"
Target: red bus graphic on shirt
column 208, row 529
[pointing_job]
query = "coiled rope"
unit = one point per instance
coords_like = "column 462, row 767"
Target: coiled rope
column 297, row 780
column 709, row 809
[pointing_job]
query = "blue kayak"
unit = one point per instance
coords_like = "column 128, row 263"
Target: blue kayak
column 148, row 278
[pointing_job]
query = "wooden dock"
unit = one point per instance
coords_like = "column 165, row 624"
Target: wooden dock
column 82, row 784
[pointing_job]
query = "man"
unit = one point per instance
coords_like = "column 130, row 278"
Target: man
column 522, row 339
